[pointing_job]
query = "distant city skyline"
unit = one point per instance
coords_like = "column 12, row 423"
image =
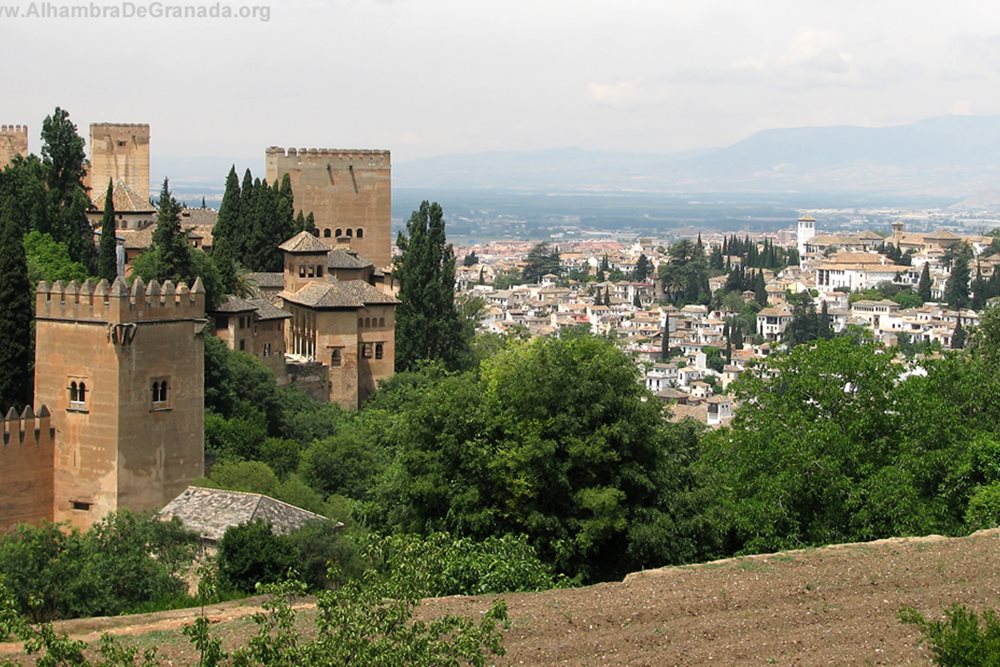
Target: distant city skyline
column 430, row 77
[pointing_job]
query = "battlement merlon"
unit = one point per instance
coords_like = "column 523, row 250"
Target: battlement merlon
column 117, row 302
column 27, row 429
column 14, row 129
column 112, row 126
column 334, row 153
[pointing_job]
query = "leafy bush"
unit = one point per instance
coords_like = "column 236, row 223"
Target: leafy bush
column 962, row 639
column 440, row 564
column 251, row 554
column 123, row 562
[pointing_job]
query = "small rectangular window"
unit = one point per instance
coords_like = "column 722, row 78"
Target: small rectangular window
column 81, row 506
column 243, row 345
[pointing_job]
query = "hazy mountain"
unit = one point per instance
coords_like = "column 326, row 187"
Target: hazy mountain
column 947, row 156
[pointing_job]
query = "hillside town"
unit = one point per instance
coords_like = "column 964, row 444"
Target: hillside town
column 616, row 289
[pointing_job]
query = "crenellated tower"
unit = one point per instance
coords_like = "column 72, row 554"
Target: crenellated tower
column 13, row 142
column 122, row 371
column 119, row 152
column 348, row 191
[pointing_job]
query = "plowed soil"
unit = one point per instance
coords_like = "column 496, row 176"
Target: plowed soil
column 831, row 606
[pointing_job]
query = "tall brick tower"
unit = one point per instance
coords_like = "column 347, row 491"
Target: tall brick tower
column 348, row 191
column 119, row 152
column 13, row 142
column 122, row 372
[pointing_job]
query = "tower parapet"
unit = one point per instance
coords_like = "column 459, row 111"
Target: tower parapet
column 348, row 191
column 116, row 302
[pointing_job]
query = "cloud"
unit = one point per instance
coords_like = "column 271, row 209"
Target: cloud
column 618, row 94
column 811, row 59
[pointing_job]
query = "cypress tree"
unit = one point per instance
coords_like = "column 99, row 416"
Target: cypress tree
column 428, row 325
column 958, row 335
column 760, row 289
column 665, row 340
column 15, row 317
column 169, row 239
column 226, row 235
column 924, row 285
column 107, row 258
column 956, row 289
column 825, row 330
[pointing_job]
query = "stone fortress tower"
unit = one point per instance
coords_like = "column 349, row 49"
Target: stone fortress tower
column 119, row 152
column 122, row 372
column 13, row 142
column 347, row 191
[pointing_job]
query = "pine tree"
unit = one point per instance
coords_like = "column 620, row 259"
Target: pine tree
column 63, row 158
column 15, row 317
column 427, row 323
column 107, row 258
column 924, row 284
column 170, row 240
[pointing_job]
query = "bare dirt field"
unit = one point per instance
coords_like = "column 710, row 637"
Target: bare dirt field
column 831, row 606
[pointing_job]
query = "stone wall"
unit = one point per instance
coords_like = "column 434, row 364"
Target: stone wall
column 348, row 191
column 26, row 458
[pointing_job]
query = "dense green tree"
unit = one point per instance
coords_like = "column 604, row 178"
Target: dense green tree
column 428, row 326
column 49, row 260
column 805, row 325
column 63, row 157
column 251, row 554
column 107, row 259
column 643, row 269
column 760, row 289
column 685, row 274
column 541, row 260
column 555, row 439
column 16, row 356
column 924, row 284
column 956, row 289
column 807, row 450
column 228, row 236
column 170, row 240
column 824, row 329
column 958, row 335
column 24, row 194
column 471, row 259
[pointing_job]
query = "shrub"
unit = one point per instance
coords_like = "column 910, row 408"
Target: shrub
column 960, row 640
column 251, row 553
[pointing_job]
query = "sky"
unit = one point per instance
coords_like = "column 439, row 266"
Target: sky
column 431, row 77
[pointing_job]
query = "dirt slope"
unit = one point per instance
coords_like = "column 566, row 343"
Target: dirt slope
column 830, row 606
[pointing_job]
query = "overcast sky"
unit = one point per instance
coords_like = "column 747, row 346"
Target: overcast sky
column 427, row 77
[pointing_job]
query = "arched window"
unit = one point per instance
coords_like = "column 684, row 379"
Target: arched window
column 368, row 322
column 381, row 322
column 335, row 359
column 361, row 322
column 326, row 233
column 340, row 232
column 350, row 232
column 159, row 391
column 378, row 350
column 74, row 395
column 83, row 392
column 361, row 233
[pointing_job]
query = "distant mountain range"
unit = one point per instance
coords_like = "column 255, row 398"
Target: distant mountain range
column 950, row 156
